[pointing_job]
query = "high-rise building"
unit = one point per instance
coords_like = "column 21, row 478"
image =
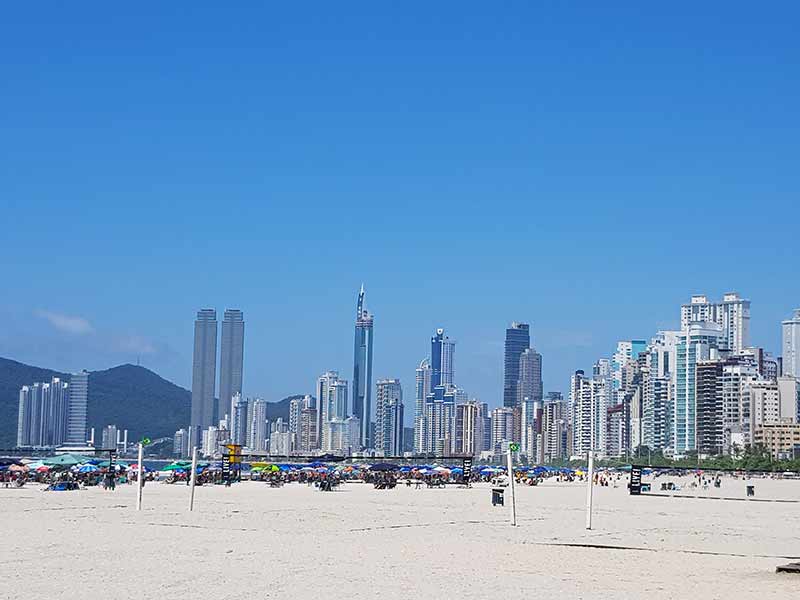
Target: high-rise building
column 389, row 417
column 442, row 360
column 468, row 429
column 362, row 370
column 765, row 405
column 108, row 437
column 43, row 413
column 732, row 314
column 296, row 406
column 502, row 428
column 422, row 390
column 259, row 427
column 791, row 345
column 518, row 339
column 77, row 413
column 530, row 376
column 709, row 423
column 307, row 436
column 531, row 429
column 589, row 402
column 439, row 423
column 695, row 343
column 180, row 443
column 556, row 429
column 324, row 414
column 789, row 391
column 231, row 362
column 239, row 420
column 204, row 374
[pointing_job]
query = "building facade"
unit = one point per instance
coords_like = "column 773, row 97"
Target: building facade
column 231, row 362
column 362, row 370
column 204, row 373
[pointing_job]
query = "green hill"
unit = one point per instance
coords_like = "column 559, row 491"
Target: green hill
column 128, row 396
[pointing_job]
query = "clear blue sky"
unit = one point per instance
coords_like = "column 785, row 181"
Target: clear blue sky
column 584, row 168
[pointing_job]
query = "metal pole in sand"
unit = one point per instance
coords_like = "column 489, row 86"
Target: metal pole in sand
column 511, row 486
column 140, row 478
column 194, row 478
column 589, row 486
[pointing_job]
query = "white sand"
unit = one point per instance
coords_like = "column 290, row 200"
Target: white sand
column 250, row 541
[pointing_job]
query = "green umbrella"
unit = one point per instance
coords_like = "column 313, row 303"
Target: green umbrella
column 177, row 467
column 65, row 460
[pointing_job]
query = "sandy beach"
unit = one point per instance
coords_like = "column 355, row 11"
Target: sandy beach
column 252, row 541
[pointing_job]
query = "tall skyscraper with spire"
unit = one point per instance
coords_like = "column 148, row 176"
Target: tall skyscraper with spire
column 442, row 358
column 204, row 374
column 362, row 370
column 231, row 361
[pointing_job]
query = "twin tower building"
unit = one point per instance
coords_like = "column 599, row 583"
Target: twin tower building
column 208, row 407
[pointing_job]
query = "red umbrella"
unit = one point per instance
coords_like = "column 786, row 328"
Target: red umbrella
column 43, row 469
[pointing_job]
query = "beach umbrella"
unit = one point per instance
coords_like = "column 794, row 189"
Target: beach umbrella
column 18, row 468
column 66, row 460
column 87, row 469
column 42, row 469
column 176, row 467
column 441, row 469
column 135, row 467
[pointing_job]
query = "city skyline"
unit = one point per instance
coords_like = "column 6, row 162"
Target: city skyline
column 495, row 399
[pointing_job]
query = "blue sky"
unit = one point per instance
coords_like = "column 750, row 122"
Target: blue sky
column 584, row 168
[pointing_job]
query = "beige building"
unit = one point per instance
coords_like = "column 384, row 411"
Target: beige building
column 782, row 440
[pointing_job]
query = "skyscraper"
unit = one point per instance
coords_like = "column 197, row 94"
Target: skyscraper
column 423, row 388
column 389, row 417
column 323, row 414
column 78, row 408
column 442, row 360
column 204, row 374
column 362, row 370
column 530, row 377
column 733, row 314
column 518, row 339
column 43, row 413
column 695, row 343
column 231, row 360
column 502, row 428
column 791, row 345
column 239, row 420
column 258, row 429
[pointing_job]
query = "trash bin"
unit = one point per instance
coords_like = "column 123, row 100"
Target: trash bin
column 751, row 490
column 497, row 496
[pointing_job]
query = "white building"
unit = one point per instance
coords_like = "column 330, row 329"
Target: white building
column 78, row 409
column 502, row 428
column 422, row 390
column 789, row 392
column 791, row 345
column 389, row 417
column 732, row 314
column 257, row 438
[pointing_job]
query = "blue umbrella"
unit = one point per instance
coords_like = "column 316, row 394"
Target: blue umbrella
column 88, row 469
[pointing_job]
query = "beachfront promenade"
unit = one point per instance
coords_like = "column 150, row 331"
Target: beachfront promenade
column 253, row 541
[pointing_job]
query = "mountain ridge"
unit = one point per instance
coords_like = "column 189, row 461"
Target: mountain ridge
column 129, row 396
